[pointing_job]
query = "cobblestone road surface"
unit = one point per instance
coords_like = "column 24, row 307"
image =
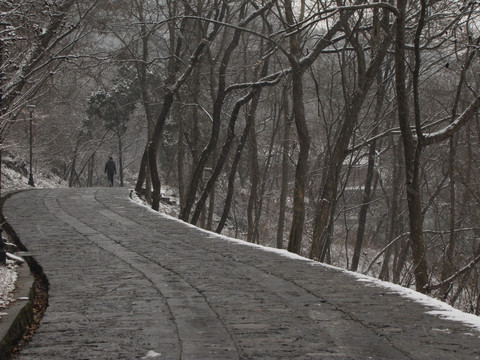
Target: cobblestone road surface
column 126, row 283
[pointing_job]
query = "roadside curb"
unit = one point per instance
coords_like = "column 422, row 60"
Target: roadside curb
column 20, row 313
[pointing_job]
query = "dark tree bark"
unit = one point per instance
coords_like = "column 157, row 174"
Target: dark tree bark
column 253, row 204
column 71, row 181
column 232, row 176
column 448, row 267
column 181, row 159
column 394, row 220
column 91, row 167
column 223, row 156
column 412, row 150
column 362, row 215
column 217, row 110
column 298, row 216
column 298, row 67
column 120, row 157
column 367, row 196
column 324, row 214
column 287, row 124
column 151, row 149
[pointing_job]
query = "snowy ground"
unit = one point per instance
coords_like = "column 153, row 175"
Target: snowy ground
column 8, row 276
column 13, row 181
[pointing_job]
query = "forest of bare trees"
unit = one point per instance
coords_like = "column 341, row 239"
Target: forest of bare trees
column 346, row 131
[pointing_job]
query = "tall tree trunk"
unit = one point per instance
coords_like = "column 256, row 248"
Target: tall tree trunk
column 362, row 215
column 71, row 181
column 142, row 67
column 236, row 161
column 298, row 216
column 448, row 261
column 120, row 158
column 216, row 120
column 287, row 124
column 223, row 156
column 254, row 180
column 181, row 159
column 91, row 167
column 254, row 202
column 324, row 215
column 412, row 150
column 232, row 175
column 299, row 66
column 217, row 109
column 263, row 184
column 72, row 171
column 394, row 218
column 211, row 209
column 447, row 265
column 151, row 148
column 142, row 172
column 367, row 194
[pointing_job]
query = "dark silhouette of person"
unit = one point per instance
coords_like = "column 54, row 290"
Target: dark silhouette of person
column 111, row 170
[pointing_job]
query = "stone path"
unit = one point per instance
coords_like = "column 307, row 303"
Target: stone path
column 126, row 283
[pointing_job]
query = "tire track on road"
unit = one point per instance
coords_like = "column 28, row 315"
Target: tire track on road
column 195, row 323
column 317, row 308
column 265, row 305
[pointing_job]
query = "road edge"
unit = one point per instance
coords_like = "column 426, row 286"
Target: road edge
column 21, row 314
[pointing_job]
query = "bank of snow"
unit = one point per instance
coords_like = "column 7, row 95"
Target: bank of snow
column 435, row 307
column 8, row 277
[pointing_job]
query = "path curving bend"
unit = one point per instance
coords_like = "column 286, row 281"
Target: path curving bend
column 128, row 283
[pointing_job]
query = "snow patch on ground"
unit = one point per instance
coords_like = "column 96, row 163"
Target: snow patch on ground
column 152, row 355
column 8, row 277
column 437, row 307
column 14, row 181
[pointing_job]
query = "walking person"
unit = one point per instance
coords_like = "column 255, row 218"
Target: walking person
column 111, row 170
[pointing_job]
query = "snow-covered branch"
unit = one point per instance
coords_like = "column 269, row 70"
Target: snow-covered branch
column 456, row 125
column 270, row 80
column 460, row 272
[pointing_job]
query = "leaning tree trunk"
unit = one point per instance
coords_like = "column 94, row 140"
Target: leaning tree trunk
column 151, row 148
column 214, row 134
column 223, row 156
column 217, row 110
column 232, row 177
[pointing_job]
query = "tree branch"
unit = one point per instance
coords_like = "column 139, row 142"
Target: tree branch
column 456, row 125
column 462, row 271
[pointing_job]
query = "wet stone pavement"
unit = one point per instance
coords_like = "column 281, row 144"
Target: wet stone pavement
column 127, row 283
